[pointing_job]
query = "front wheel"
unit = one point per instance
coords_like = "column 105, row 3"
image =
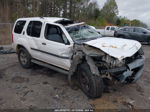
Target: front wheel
column 90, row 84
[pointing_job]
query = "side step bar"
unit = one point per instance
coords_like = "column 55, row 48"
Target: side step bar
column 50, row 66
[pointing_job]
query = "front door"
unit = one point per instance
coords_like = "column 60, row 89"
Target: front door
column 55, row 47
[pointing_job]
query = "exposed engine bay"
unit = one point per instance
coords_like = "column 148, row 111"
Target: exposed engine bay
column 125, row 70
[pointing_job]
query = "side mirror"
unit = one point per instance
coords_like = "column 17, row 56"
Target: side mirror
column 144, row 32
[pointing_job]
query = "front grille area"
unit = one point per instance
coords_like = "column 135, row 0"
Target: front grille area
column 106, row 62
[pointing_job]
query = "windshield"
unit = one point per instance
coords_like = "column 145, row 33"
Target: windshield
column 145, row 30
column 82, row 32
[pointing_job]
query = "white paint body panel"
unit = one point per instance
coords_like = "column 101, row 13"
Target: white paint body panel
column 50, row 47
column 116, row 47
column 55, row 48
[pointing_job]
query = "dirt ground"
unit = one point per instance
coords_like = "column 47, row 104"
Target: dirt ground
column 42, row 88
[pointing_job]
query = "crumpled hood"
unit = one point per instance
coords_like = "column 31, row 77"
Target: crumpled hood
column 116, row 47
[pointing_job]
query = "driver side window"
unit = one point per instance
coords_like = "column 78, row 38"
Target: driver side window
column 54, row 33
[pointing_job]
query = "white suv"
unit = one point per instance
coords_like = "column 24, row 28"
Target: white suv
column 76, row 49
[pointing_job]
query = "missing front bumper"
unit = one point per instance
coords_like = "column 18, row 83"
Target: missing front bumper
column 133, row 70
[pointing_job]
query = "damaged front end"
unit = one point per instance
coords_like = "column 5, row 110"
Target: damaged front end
column 129, row 69
column 126, row 70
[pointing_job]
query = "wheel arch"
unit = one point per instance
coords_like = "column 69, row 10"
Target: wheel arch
column 79, row 59
column 20, row 46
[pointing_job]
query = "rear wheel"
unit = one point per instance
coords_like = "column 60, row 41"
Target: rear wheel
column 90, row 84
column 24, row 58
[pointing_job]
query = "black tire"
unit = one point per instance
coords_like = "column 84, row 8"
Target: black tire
column 90, row 84
column 24, row 58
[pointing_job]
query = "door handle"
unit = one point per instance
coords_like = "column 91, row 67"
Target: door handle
column 43, row 43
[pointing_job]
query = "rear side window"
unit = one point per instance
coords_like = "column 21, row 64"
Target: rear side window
column 34, row 28
column 19, row 26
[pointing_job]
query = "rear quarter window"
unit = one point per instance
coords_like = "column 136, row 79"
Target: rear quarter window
column 19, row 27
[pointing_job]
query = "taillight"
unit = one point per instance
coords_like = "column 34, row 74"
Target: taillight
column 12, row 37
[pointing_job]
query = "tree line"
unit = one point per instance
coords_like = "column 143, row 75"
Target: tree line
column 80, row 10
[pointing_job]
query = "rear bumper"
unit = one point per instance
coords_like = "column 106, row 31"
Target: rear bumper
column 134, row 70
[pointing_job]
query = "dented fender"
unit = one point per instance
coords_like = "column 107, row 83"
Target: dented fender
column 93, row 67
column 78, row 58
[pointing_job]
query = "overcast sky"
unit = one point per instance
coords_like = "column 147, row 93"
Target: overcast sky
column 132, row 9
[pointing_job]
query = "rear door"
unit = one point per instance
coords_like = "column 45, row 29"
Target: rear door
column 33, row 35
column 55, row 46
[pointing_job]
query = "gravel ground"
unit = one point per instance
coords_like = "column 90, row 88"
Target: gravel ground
column 42, row 88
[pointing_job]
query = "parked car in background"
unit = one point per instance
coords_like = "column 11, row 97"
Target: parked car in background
column 135, row 33
column 108, row 31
